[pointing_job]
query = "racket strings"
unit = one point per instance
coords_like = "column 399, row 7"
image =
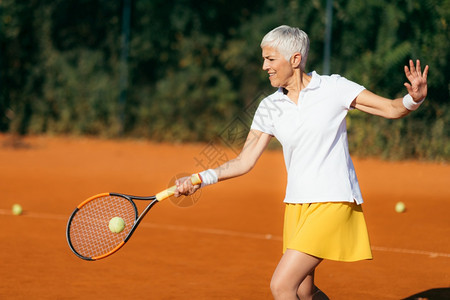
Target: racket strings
column 89, row 230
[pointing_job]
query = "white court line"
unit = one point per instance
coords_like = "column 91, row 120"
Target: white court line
column 213, row 231
column 410, row 251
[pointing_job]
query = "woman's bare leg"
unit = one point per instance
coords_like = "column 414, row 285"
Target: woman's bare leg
column 308, row 290
column 289, row 277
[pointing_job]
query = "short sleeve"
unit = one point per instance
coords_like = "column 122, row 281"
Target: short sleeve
column 347, row 90
column 262, row 120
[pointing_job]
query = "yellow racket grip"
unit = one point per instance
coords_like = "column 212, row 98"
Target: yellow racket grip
column 195, row 179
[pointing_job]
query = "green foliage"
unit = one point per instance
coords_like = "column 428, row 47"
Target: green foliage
column 385, row 36
column 194, row 66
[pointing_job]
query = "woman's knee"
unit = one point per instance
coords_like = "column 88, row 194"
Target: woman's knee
column 280, row 288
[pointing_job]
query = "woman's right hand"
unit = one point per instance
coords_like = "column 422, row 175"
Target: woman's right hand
column 185, row 187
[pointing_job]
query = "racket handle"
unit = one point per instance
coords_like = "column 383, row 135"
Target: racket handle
column 195, row 179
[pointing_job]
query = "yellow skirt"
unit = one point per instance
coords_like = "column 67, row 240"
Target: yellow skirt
column 331, row 230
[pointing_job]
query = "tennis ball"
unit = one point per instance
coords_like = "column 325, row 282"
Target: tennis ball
column 116, row 224
column 16, row 209
column 400, row 207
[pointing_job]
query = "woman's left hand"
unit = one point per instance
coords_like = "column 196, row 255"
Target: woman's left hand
column 417, row 85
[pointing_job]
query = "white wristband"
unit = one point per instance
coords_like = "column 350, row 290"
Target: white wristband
column 208, row 177
column 410, row 104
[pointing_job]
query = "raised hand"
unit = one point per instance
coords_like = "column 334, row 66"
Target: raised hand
column 417, row 85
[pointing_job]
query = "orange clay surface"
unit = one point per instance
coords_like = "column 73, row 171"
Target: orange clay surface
column 223, row 244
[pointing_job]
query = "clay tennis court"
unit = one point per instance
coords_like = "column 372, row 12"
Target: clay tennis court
column 213, row 248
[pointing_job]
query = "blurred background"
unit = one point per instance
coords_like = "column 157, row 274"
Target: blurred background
column 180, row 71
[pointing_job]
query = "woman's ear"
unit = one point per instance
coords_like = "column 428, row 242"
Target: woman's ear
column 296, row 59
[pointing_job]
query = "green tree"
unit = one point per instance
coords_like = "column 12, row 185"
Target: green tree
column 195, row 65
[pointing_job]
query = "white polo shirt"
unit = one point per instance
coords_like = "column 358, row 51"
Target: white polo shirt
column 314, row 139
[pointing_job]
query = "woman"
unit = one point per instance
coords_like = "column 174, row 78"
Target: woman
column 323, row 215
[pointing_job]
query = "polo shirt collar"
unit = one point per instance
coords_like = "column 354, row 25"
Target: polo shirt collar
column 313, row 84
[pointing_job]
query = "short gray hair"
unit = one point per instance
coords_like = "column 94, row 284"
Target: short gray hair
column 288, row 40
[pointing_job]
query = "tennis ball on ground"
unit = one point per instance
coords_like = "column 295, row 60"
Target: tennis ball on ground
column 16, row 209
column 400, row 207
column 116, row 224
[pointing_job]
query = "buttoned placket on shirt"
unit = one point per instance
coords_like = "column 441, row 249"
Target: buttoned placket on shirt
column 313, row 84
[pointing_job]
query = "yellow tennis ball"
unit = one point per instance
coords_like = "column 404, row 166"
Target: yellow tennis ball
column 116, row 224
column 400, row 207
column 17, row 209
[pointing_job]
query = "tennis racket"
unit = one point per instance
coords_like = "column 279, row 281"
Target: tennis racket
column 88, row 233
